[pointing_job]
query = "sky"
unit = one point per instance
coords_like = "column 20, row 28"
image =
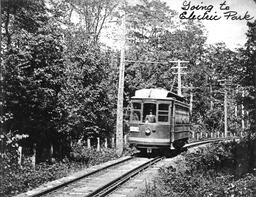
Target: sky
column 231, row 32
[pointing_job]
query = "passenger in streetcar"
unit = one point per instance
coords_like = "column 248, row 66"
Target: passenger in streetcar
column 151, row 118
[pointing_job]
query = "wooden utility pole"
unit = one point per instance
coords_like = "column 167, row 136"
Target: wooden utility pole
column 1, row 81
column 179, row 78
column 179, row 73
column 243, row 126
column 225, row 113
column 191, row 100
column 119, row 121
column 224, row 83
column 1, row 69
column 1, row 89
column 236, row 108
column 211, row 102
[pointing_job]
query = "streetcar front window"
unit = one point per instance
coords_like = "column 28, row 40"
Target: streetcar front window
column 136, row 112
column 136, row 116
column 149, row 112
column 136, row 106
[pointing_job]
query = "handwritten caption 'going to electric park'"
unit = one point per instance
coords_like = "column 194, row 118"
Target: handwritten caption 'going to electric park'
column 206, row 12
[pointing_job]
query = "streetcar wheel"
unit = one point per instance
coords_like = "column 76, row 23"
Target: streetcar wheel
column 179, row 144
column 143, row 151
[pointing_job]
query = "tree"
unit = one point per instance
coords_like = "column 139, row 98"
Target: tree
column 21, row 15
column 33, row 70
column 212, row 75
column 84, row 96
column 56, row 83
column 91, row 14
column 248, row 74
column 155, row 35
column 87, row 91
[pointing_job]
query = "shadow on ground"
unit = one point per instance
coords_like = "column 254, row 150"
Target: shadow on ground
column 160, row 152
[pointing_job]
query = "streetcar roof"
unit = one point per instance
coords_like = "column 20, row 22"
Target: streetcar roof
column 156, row 93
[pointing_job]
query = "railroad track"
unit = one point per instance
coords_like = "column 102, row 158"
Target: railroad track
column 104, row 180
column 111, row 186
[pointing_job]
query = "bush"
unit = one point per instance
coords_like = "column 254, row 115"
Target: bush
column 80, row 153
column 224, row 169
column 16, row 179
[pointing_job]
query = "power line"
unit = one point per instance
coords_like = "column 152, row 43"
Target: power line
column 154, row 62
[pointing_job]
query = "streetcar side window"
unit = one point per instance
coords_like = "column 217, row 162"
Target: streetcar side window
column 163, row 111
column 181, row 115
column 136, row 112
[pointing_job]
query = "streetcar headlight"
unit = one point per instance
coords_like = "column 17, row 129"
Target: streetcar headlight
column 147, row 131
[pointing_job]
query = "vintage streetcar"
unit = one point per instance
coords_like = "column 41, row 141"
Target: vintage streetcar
column 159, row 120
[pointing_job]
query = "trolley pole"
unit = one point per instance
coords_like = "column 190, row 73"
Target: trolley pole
column 119, row 121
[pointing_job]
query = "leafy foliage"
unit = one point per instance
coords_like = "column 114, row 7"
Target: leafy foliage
column 92, row 16
column 56, row 84
column 91, row 157
column 33, row 80
column 19, row 15
column 84, row 96
column 15, row 179
column 248, row 78
column 61, row 82
column 215, row 66
column 220, row 170
column 33, row 72
column 155, row 38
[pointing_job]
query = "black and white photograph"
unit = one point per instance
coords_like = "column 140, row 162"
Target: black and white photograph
column 128, row 98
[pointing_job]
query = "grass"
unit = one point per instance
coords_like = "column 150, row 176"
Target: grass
column 16, row 179
column 224, row 169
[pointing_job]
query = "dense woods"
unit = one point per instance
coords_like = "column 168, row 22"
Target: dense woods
column 59, row 79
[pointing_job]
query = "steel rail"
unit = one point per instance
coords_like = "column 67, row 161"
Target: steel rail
column 111, row 186
column 197, row 143
column 115, row 183
column 88, row 174
column 56, row 187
